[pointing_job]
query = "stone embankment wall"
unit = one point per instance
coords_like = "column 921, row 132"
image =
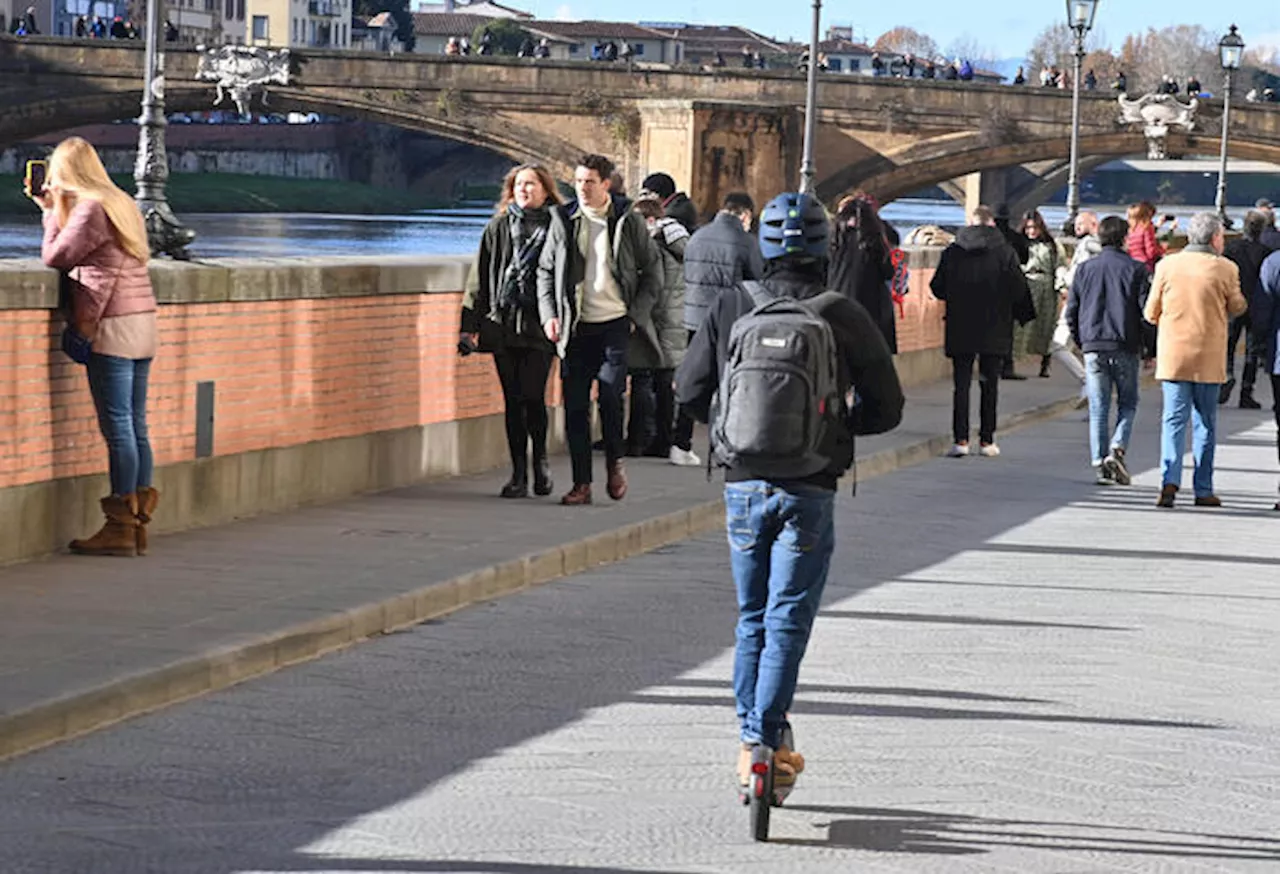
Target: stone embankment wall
column 328, row 378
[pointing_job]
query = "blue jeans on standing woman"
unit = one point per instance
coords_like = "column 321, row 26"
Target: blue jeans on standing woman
column 1197, row 401
column 119, row 389
column 1102, row 370
column 780, row 545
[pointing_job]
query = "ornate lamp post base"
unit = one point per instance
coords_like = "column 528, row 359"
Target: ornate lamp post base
column 166, row 234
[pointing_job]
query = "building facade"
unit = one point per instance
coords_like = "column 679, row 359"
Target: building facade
column 299, row 23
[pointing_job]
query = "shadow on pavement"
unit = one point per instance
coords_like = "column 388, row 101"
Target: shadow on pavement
column 242, row 779
column 890, row 830
column 931, row 619
column 824, row 688
column 829, row 708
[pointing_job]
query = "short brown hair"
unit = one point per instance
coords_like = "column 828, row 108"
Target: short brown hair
column 650, row 207
column 984, row 216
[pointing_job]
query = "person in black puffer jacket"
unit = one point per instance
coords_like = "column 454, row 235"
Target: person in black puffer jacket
column 676, row 203
column 500, row 315
column 981, row 281
column 860, row 267
column 718, row 257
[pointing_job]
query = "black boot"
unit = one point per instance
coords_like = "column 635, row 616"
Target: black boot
column 542, row 484
column 1044, row 367
column 1008, row 372
column 1224, row 393
column 518, row 485
column 1246, row 387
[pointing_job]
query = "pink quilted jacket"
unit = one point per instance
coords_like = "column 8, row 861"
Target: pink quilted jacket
column 114, row 282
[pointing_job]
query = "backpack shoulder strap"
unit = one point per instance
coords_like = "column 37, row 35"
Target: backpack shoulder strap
column 759, row 293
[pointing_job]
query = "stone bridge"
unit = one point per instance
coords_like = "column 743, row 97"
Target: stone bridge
column 713, row 131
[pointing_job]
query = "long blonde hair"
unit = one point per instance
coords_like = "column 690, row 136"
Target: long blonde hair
column 76, row 169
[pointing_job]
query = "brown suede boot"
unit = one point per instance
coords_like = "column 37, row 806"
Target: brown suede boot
column 148, row 498
column 120, row 535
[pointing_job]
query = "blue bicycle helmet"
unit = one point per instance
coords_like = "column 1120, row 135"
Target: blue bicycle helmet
column 794, row 224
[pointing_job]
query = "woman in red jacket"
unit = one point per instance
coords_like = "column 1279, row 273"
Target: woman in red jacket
column 1141, row 244
column 95, row 232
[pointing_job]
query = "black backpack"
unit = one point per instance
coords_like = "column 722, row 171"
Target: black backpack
column 779, row 397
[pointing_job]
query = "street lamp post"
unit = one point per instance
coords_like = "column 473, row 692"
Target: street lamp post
column 1230, row 53
column 807, row 170
column 1080, row 15
column 151, row 172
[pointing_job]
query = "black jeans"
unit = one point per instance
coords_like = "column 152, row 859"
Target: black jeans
column 653, row 401
column 523, row 372
column 1240, row 325
column 597, row 353
column 683, row 437
column 989, row 367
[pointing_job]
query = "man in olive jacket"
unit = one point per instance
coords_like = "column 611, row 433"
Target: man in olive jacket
column 598, row 280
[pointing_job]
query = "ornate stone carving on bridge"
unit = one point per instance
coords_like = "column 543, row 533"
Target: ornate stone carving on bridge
column 242, row 71
column 1157, row 113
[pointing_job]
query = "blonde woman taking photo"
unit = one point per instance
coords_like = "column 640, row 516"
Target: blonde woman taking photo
column 94, row 233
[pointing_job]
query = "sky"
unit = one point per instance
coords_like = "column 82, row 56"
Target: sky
column 1006, row 26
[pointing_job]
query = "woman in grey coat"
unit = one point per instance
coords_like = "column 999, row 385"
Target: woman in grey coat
column 500, row 315
column 653, row 402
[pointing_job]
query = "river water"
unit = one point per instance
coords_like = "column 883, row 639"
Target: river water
column 434, row 232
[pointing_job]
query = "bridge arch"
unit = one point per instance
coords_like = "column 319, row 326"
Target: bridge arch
column 502, row 135
column 934, row 161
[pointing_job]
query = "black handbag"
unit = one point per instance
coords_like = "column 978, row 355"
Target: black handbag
column 74, row 345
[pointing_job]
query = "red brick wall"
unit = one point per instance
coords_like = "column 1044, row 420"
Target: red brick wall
column 287, row 372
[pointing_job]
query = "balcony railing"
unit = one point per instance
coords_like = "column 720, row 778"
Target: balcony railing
column 331, row 8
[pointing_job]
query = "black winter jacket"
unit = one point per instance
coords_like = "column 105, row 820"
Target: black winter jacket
column 985, row 290
column 865, row 364
column 1104, row 308
column 1248, row 256
column 719, row 256
column 863, row 274
column 681, row 208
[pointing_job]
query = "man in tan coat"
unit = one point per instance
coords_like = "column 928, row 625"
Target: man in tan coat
column 1193, row 295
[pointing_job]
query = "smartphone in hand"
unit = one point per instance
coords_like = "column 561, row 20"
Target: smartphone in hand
column 37, row 174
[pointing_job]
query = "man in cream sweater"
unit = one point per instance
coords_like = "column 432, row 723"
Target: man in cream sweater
column 1193, row 295
column 598, row 282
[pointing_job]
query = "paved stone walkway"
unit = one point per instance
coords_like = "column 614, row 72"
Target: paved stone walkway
column 1014, row 671
column 71, row 626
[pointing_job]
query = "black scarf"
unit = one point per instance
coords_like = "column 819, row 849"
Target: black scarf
column 519, row 288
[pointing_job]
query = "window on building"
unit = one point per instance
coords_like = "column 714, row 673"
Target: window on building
column 573, row 48
column 261, row 26
column 230, row 10
column 835, row 65
column 855, row 64
column 239, row 10
column 638, row 47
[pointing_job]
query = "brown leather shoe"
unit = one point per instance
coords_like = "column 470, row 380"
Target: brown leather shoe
column 577, row 496
column 1209, row 501
column 617, row 485
column 1167, row 495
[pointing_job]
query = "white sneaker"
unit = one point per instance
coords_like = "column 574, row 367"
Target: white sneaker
column 958, row 450
column 988, row 450
column 683, row 457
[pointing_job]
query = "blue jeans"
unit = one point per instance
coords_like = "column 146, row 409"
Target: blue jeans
column 119, row 389
column 1102, row 370
column 780, row 545
column 1199, row 402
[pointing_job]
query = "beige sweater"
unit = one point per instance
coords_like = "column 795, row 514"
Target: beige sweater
column 1193, row 294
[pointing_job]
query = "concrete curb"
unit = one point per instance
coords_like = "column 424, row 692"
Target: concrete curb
column 82, row 712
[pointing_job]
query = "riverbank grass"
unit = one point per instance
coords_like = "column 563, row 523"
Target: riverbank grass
column 224, row 192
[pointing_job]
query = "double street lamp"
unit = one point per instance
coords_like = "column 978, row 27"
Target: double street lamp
column 1230, row 54
column 1080, row 15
